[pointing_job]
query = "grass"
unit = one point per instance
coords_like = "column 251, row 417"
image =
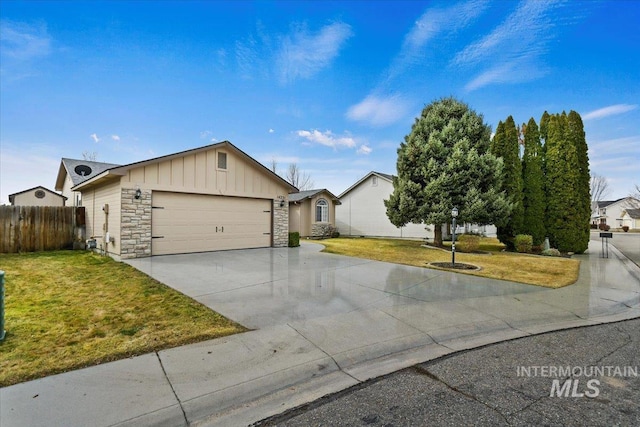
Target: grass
column 529, row 269
column 69, row 309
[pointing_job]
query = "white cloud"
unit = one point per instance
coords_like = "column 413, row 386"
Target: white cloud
column 302, row 54
column 94, row 137
column 378, row 111
column 434, row 22
column 326, row 138
column 271, row 131
column 115, row 137
column 364, row 149
column 22, row 41
column 21, row 46
column 517, row 45
column 611, row 110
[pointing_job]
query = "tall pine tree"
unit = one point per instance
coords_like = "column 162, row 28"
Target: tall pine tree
column 533, row 184
column 444, row 163
column 506, row 145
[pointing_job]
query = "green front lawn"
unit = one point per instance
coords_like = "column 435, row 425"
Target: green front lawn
column 70, row 309
column 533, row 270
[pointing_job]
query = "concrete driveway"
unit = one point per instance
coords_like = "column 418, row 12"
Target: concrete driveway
column 259, row 288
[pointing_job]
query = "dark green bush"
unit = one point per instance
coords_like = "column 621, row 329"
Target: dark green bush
column 523, row 243
column 294, row 239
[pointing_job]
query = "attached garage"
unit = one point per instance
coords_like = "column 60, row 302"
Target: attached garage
column 183, row 223
column 206, row 199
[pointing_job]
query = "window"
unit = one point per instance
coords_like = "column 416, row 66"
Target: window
column 374, row 181
column 222, row 160
column 40, row 194
column 322, row 211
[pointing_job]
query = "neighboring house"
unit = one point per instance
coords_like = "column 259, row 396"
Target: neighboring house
column 210, row 198
column 362, row 211
column 609, row 212
column 73, row 172
column 631, row 218
column 312, row 213
column 37, row 196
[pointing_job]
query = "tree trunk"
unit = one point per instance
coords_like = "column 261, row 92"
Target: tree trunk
column 437, row 235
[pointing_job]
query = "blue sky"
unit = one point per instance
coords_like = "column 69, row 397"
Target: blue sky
column 331, row 86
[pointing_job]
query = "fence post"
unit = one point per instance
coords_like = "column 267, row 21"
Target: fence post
column 1, row 305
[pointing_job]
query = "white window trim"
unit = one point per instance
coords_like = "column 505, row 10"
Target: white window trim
column 218, row 161
column 324, row 213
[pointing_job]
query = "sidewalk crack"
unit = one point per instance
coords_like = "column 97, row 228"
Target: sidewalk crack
column 328, row 355
column 184, row 414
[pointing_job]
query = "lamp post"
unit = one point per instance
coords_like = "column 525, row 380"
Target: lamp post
column 454, row 214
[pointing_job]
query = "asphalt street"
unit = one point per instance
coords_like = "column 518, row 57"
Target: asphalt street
column 498, row 385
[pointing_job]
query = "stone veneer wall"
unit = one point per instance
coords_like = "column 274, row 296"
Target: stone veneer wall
column 135, row 224
column 322, row 230
column 280, row 224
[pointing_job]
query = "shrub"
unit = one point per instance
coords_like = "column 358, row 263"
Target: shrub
column 625, row 228
column 551, row 252
column 294, row 239
column 604, row 227
column 523, row 243
column 468, row 243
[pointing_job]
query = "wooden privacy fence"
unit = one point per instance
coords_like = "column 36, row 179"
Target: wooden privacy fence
column 40, row 228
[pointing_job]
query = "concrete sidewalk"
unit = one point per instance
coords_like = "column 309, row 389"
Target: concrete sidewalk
column 244, row 378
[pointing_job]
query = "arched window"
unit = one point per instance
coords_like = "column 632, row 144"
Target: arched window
column 322, row 211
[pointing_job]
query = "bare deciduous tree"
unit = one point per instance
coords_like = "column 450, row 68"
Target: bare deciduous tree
column 299, row 179
column 599, row 187
column 274, row 165
column 90, row 156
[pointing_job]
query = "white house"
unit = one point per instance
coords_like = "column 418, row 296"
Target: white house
column 631, row 218
column 362, row 211
column 609, row 212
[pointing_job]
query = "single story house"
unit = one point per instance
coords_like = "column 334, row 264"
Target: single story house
column 312, row 213
column 362, row 211
column 37, row 196
column 609, row 212
column 73, row 172
column 631, row 218
column 210, row 198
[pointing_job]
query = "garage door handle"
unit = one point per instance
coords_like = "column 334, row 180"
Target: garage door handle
column 266, row 234
column 157, row 237
column 222, row 229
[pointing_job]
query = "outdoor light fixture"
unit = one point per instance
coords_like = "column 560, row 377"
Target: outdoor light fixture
column 454, row 215
column 138, row 194
column 282, row 203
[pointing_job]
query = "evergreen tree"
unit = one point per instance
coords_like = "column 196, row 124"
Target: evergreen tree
column 444, row 163
column 566, row 219
column 505, row 145
column 576, row 136
column 533, row 184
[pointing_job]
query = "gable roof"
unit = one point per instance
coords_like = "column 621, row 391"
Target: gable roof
column 77, row 169
column 633, row 213
column 118, row 171
column 384, row 176
column 605, row 203
column 308, row 194
column 39, row 187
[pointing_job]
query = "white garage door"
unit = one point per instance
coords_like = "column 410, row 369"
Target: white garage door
column 183, row 223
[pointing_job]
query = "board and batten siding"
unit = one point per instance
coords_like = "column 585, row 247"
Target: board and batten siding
column 199, row 173
column 97, row 220
column 363, row 213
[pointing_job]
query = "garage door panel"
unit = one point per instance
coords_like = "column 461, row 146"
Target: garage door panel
column 183, row 223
